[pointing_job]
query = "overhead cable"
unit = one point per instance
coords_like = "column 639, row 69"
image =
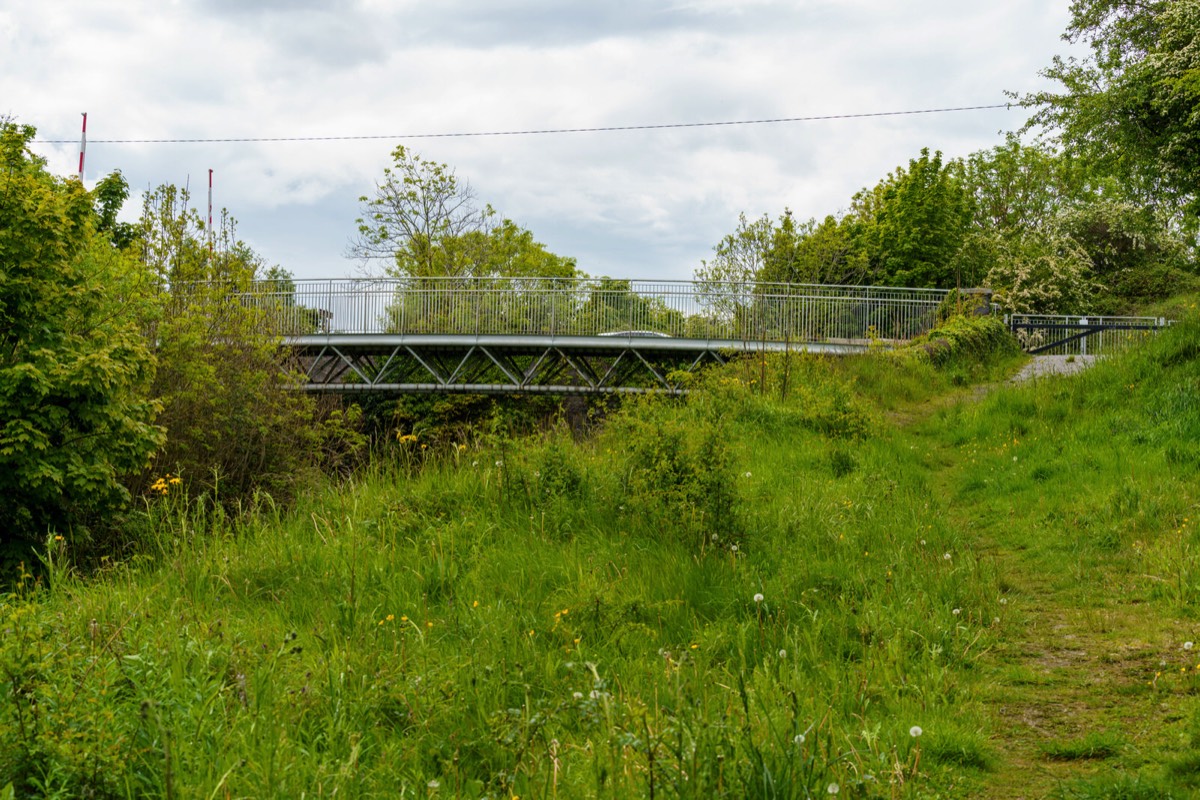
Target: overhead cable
column 535, row 131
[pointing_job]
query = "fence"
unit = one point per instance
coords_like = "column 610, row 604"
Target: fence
column 593, row 307
column 1076, row 335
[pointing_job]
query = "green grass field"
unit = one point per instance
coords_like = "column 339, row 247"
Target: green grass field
column 869, row 577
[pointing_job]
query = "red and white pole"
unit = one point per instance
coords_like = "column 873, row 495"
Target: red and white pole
column 211, row 233
column 82, row 146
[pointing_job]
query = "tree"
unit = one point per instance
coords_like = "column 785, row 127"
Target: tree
column 74, row 366
column 1017, row 187
column 1131, row 107
column 914, row 223
column 1040, row 273
column 828, row 252
column 235, row 425
column 728, row 280
column 420, row 219
column 424, row 222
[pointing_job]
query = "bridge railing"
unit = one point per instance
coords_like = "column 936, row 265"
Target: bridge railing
column 594, row 307
column 1047, row 334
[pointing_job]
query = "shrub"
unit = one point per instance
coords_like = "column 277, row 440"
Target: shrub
column 74, row 367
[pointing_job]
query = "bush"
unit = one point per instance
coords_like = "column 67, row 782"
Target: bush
column 74, row 367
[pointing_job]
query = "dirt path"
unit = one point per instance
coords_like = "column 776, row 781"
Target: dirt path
column 1083, row 681
column 1042, row 366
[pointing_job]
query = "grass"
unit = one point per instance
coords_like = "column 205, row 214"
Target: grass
column 761, row 592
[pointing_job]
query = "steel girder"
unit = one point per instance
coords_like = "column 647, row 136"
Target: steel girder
column 510, row 364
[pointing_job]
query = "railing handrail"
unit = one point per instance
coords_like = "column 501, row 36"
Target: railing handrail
column 534, row 305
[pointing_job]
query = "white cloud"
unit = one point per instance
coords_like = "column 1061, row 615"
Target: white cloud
column 637, row 203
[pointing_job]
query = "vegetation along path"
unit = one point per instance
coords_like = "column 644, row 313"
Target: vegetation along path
column 1088, row 692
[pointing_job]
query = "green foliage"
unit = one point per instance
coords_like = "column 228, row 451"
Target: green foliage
column 423, row 222
column 678, row 474
column 74, row 366
column 916, row 221
column 234, row 425
column 1128, row 107
column 966, row 338
column 1040, row 273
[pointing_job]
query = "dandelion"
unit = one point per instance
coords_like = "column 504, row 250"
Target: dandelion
column 798, row 738
column 428, row 624
column 714, row 537
column 1188, row 645
column 945, row 556
column 403, row 618
column 696, row 646
column 499, row 463
column 758, row 598
column 915, row 731
column 956, row 611
column 433, row 784
column 733, row 548
column 833, row 788
column 922, row 543
column 782, row 655
column 1003, row 601
column 577, row 695
column 747, row 475
column 475, row 604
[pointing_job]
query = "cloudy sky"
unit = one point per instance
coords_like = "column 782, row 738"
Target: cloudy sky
column 645, row 204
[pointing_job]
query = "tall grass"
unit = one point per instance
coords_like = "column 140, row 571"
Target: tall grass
column 766, row 590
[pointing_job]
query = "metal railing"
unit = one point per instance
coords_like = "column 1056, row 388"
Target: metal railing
column 1047, row 334
column 774, row 312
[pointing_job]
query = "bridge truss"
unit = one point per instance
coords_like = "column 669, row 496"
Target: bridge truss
column 517, row 364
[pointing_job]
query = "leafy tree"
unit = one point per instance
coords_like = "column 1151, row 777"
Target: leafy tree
column 914, row 223
column 1039, row 272
column 829, row 252
column 234, row 423
column 728, row 280
column 1132, row 106
column 1016, row 187
column 423, row 221
column 74, row 365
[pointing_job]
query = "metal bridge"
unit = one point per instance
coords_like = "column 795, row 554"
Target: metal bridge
column 564, row 336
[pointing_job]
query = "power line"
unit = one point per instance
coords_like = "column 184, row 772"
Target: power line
column 536, row 131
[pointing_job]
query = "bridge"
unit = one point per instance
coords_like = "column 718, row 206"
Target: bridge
column 566, row 336
column 598, row 336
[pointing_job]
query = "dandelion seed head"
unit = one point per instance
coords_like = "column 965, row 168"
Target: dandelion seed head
column 915, row 731
column 946, row 556
column 833, row 788
column 956, row 611
column 1188, row 645
column 782, row 654
column 758, row 598
column 798, row 738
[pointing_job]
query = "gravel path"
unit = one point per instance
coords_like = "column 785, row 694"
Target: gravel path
column 1040, row 366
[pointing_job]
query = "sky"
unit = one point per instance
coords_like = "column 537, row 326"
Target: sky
column 629, row 204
